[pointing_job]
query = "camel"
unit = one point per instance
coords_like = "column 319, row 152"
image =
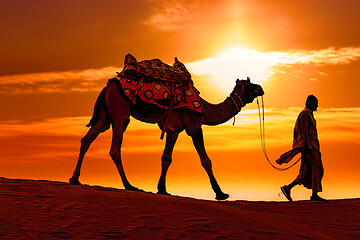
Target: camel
column 112, row 108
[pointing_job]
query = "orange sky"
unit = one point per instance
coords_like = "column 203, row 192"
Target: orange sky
column 57, row 55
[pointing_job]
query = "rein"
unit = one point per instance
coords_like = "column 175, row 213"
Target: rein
column 237, row 107
column 262, row 135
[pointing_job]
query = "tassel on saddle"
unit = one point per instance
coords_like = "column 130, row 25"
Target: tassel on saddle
column 168, row 113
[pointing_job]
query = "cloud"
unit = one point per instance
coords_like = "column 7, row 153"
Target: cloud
column 339, row 124
column 172, row 15
column 223, row 70
column 171, row 18
column 57, row 82
column 329, row 56
column 236, row 63
column 260, row 66
column 183, row 15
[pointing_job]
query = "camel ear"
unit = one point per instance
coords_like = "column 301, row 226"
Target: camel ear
column 237, row 81
column 248, row 79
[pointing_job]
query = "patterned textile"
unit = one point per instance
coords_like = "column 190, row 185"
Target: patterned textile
column 156, row 70
column 158, row 93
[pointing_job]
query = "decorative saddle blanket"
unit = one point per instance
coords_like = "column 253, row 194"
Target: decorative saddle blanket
column 157, row 83
column 158, row 93
column 155, row 70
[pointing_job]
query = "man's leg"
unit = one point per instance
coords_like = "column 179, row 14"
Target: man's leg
column 316, row 177
column 286, row 189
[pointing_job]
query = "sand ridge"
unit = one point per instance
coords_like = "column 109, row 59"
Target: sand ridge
column 39, row 209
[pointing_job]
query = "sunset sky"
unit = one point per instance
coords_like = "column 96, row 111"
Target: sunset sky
column 56, row 56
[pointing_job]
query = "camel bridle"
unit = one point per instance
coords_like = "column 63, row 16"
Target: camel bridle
column 238, row 107
column 241, row 101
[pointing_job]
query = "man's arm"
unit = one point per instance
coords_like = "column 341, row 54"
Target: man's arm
column 305, row 128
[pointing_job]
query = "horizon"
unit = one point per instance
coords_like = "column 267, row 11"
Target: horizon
column 57, row 56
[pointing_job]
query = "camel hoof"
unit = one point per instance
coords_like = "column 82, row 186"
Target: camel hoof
column 221, row 196
column 163, row 193
column 74, row 181
column 135, row 189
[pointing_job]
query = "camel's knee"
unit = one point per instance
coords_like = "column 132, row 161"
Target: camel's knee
column 206, row 163
column 115, row 155
column 85, row 142
column 166, row 159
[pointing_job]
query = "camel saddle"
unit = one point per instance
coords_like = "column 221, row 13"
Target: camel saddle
column 155, row 70
column 155, row 82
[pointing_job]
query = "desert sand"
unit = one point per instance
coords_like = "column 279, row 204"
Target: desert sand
column 39, row 209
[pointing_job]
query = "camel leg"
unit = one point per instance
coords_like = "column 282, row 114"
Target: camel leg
column 115, row 152
column 198, row 140
column 100, row 126
column 119, row 113
column 166, row 160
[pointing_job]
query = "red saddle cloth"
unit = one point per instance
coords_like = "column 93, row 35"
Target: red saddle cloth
column 157, row 83
column 158, row 93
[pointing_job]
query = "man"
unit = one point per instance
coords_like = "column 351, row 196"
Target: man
column 306, row 141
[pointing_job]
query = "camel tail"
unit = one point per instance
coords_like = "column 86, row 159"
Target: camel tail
column 99, row 101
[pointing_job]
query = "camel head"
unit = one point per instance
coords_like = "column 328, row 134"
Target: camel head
column 247, row 91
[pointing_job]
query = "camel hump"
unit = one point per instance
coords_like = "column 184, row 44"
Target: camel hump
column 156, row 70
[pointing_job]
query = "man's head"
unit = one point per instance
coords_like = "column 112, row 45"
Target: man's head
column 312, row 103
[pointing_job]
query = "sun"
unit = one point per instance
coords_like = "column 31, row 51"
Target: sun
column 237, row 63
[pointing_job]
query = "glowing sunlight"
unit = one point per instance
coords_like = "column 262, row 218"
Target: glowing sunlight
column 237, row 63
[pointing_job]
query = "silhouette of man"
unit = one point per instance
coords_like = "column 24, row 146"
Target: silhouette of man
column 306, row 141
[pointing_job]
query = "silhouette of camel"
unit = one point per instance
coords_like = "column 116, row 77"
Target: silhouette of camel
column 113, row 108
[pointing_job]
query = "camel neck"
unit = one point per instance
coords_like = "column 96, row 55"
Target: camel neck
column 215, row 114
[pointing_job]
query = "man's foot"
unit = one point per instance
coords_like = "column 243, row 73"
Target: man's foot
column 317, row 198
column 286, row 191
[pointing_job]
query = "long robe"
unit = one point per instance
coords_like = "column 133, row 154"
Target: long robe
column 306, row 141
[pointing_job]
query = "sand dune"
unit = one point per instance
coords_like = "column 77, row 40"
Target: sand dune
column 32, row 209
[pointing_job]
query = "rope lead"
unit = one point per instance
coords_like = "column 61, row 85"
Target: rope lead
column 262, row 135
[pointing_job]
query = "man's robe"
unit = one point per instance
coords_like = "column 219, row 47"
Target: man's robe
column 306, row 141
column 305, row 133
